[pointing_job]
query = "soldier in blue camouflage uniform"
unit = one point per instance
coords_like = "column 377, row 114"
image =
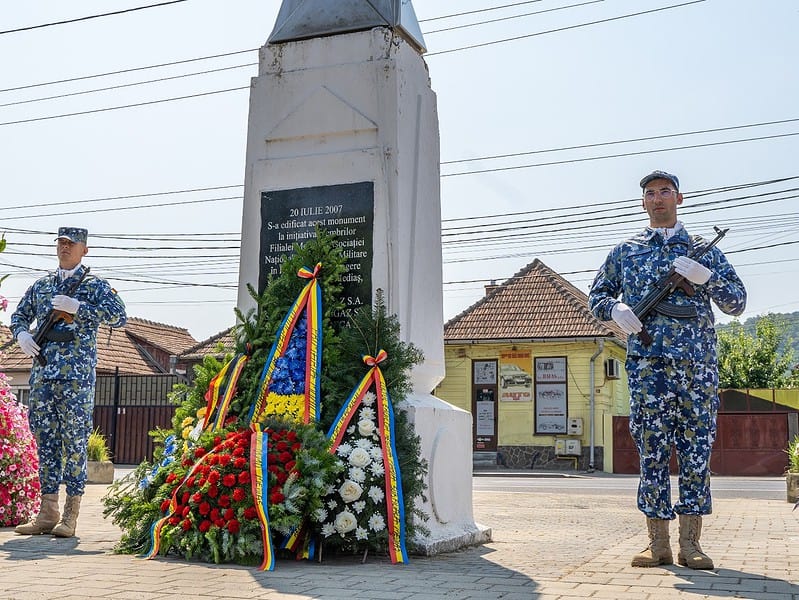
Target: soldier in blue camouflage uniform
column 674, row 380
column 62, row 389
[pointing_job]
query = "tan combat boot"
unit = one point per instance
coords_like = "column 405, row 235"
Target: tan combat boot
column 45, row 520
column 659, row 551
column 690, row 554
column 66, row 526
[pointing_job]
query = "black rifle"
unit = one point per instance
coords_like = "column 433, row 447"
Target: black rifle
column 667, row 284
column 54, row 317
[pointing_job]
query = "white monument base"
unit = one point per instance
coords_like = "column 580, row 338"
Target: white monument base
column 445, row 433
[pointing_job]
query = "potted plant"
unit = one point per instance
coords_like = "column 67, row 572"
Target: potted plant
column 792, row 475
column 100, row 469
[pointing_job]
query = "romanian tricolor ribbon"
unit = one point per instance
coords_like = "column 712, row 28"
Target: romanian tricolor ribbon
column 373, row 361
column 301, row 542
column 259, row 476
column 309, row 301
column 395, row 510
column 221, row 390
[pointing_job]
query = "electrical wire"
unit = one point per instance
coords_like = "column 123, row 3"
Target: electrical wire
column 108, row 14
column 120, row 107
column 538, row 12
column 127, row 85
column 481, row 10
column 126, row 197
column 134, row 105
column 130, row 70
column 140, row 206
column 559, row 29
column 620, row 155
column 627, row 141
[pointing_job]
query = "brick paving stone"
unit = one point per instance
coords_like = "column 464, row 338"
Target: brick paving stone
column 546, row 546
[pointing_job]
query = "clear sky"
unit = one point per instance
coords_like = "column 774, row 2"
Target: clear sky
column 550, row 112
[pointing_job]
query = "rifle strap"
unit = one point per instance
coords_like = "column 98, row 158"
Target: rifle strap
column 684, row 311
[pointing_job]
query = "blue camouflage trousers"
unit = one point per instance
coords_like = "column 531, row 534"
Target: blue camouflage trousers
column 673, row 404
column 60, row 418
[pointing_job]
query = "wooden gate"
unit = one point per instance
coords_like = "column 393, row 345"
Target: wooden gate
column 127, row 407
column 746, row 444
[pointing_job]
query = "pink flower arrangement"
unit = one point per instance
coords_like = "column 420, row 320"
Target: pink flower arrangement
column 19, row 464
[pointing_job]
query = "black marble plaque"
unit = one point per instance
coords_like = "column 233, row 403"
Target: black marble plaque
column 345, row 211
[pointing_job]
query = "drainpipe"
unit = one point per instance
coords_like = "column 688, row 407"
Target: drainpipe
column 592, row 401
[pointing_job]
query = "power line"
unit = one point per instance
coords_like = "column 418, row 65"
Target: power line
column 130, row 70
column 693, row 194
column 127, row 197
column 108, row 14
column 619, row 155
column 538, row 12
column 240, row 66
column 113, row 209
column 202, row 58
column 534, row 253
column 137, row 104
column 126, row 85
column 559, row 29
column 627, row 141
column 22, row 121
column 515, row 235
column 537, row 223
column 482, row 10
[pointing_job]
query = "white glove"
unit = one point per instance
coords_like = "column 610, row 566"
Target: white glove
column 692, row 270
column 625, row 318
column 66, row 303
column 26, row 343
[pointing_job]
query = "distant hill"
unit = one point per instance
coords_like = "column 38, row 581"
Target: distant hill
column 790, row 322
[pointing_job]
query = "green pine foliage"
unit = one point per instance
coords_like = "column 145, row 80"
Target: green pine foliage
column 258, row 327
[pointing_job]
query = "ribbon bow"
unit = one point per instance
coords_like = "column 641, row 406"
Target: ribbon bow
column 306, row 273
column 373, row 361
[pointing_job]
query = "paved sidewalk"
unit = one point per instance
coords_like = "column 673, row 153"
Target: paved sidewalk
column 545, row 546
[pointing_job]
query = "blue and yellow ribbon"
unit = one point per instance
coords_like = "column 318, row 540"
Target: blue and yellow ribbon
column 310, row 301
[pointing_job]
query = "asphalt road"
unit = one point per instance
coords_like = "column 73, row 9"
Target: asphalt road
column 763, row 488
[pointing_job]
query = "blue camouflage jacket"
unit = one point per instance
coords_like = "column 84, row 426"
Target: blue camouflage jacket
column 631, row 270
column 73, row 359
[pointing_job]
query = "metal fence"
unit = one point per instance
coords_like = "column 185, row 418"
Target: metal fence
column 127, row 407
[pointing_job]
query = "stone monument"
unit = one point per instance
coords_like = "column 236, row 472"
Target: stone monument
column 343, row 134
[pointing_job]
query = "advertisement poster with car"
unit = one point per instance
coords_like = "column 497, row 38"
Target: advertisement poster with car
column 551, row 395
column 515, row 377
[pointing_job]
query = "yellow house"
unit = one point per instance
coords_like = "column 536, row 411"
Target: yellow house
column 541, row 376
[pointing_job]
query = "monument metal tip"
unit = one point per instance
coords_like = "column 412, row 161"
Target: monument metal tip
column 303, row 19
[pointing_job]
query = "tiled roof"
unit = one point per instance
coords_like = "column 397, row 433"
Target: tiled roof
column 170, row 339
column 115, row 347
column 536, row 303
column 216, row 345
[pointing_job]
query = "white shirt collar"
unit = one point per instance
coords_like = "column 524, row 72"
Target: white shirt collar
column 667, row 232
column 64, row 273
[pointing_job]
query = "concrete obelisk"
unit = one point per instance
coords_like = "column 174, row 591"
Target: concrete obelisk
column 343, row 133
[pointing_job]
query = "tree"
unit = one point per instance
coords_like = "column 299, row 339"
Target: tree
column 756, row 361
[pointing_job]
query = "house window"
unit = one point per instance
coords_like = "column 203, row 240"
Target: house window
column 23, row 394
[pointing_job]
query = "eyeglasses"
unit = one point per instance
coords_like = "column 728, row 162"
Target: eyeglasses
column 664, row 193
